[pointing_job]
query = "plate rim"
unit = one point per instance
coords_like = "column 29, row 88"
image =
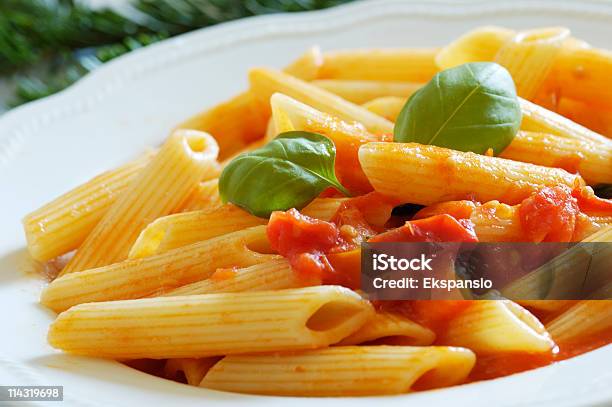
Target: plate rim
column 20, row 124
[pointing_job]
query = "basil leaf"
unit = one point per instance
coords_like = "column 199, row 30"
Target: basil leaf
column 288, row 172
column 472, row 107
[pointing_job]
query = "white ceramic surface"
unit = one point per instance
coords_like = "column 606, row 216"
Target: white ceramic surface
column 50, row 146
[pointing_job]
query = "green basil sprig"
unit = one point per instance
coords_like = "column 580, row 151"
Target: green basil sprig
column 472, row 107
column 288, row 172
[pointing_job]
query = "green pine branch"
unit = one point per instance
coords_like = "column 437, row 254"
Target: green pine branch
column 49, row 44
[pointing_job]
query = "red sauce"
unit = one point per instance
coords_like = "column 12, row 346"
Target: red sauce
column 591, row 203
column 549, row 215
column 304, row 241
column 439, row 228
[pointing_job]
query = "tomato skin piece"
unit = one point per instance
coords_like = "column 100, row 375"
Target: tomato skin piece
column 439, row 228
column 549, row 215
column 591, row 203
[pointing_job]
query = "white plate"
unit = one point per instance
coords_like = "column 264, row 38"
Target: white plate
column 50, row 146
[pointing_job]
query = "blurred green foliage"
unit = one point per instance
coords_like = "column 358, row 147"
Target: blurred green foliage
column 48, row 44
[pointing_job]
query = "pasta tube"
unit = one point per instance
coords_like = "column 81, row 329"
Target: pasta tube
column 388, row 107
column 529, row 57
column 585, row 319
column 363, row 91
column 342, row 371
column 347, row 138
column 272, row 275
column 588, row 115
column 541, row 120
column 497, row 326
column 593, row 161
column 266, row 82
column 137, row 278
column 241, row 120
column 204, row 197
column 181, row 229
column 213, row 324
column 159, row 189
column 323, row 208
column 391, row 329
column 581, row 71
column 63, row 224
column 425, row 174
column 481, row 44
column 381, row 64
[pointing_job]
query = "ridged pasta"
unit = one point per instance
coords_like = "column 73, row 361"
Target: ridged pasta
column 497, row 326
column 162, row 186
column 361, row 92
column 137, row 278
column 323, row 208
column 540, row 120
column 380, row 64
column 271, row 275
column 204, row 197
column 585, row 319
column 388, row 107
column 391, row 329
column 347, row 138
column 181, row 229
column 212, row 324
column 592, row 160
column 342, row 371
column 480, row 44
column 426, row 174
column 529, row 57
column 240, row 120
column 63, row 224
column 266, row 82
column 581, row 71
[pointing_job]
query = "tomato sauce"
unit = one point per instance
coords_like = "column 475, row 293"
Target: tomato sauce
column 549, row 215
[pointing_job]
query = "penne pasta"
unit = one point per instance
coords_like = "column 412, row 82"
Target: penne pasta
column 266, row 82
column 426, row 174
column 159, row 189
column 591, row 160
column 541, row 120
column 588, row 115
column 480, row 44
column 497, row 222
column 529, row 57
column 271, row 275
column 382, row 64
column 323, row 208
column 63, row 224
column 240, row 120
column 347, row 138
column 213, row 324
column 497, row 326
column 204, row 197
column 580, row 73
column 181, row 229
column 388, row 107
column 391, row 329
column 342, row 371
column 137, row 278
column 361, row 92
column 583, row 320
